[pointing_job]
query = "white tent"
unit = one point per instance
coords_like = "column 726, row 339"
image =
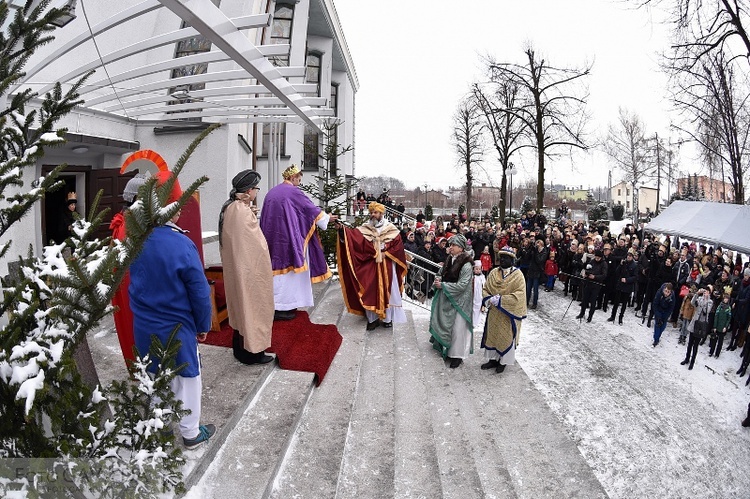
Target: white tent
column 717, row 224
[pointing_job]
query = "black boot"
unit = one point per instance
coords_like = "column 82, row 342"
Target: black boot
column 684, row 362
column 492, row 364
column 612, row 318
column 591, row 315
column 247, row 358
column 583, row 311
column 620, row 319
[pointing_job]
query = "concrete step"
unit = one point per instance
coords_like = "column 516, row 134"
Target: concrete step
column 458, row 475
column 254, row 449
column 416, row 468
column 507, row 430
column 367, row 469
column 312, row 465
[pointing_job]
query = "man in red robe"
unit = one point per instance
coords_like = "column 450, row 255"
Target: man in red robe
column 372, row 266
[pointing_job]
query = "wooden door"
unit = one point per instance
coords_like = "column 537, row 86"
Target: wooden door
column 111, row 183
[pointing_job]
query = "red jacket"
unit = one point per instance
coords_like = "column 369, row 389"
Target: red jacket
column 550, row 268
column 486, row 260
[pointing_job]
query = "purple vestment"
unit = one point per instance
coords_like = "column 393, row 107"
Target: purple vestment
column 288, row 219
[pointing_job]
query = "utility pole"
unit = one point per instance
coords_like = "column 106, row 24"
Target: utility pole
column 658, row 173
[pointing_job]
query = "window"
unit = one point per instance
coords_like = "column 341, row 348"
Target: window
column 312, row 74
column 312, row 140
column 627, row 205
column 333, row 166
column 311, row 145
column 281, row 131
column 281, row 31
column 627, row 192
column 189, row 46
column 619, row 192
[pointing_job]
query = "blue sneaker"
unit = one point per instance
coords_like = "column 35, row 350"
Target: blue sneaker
column 204, row 433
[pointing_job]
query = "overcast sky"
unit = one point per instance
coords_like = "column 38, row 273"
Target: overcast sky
column 415, row 61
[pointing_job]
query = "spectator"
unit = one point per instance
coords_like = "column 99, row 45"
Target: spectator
column 697, row 327
column 662, row 307
column 686, row 313
column 722, row 322
column 534, row 274
column 551, row 270
column 626, row 274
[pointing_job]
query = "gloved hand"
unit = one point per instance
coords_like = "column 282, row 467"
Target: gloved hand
column 494, row 300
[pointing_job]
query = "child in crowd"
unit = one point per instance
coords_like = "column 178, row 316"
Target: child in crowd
column 486, row 259
column 479, row 280
column 722, row 321
column 550, row 270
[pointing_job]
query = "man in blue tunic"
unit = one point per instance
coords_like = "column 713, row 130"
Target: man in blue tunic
column 168, row 287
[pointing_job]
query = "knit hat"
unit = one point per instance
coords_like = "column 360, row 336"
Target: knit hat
column 746, row 272
column 131, row 188
column 162, row 177
column 458, row 240
column 477, row 263
column 507, row 250
column 599, row 253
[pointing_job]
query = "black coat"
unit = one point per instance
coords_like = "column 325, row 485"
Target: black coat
column 627, row 270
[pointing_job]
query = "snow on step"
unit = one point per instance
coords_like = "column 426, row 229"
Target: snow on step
column 458, row 472
column 368, row 466
column 248, row 460
column 417, row 471
column 313, row 463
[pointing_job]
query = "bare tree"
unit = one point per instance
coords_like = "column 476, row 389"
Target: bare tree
column 715, row 105
column 504, row 127
column 705, row 27
column 627, row 146
column 552, row 112
column 467, row 138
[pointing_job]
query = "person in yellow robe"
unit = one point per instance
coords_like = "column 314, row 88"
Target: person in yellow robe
column 248, row 278
column 504, row 295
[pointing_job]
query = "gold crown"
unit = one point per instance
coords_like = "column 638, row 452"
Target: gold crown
column 72, row 196
column 291, row 172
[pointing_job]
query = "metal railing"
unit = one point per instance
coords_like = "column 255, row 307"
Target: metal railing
column 419, row 278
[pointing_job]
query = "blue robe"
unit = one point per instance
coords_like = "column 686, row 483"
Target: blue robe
column 168, row 287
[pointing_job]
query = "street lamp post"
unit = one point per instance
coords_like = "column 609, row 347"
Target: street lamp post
column 511, row 171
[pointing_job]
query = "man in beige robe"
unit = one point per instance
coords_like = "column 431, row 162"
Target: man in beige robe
column 248, row 278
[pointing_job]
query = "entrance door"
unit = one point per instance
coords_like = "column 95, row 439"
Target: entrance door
column 111, row 183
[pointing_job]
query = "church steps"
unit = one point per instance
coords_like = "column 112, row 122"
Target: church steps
column 311, row 467
column 367, row 468
column 250, row 456
column 416, row 467
column 458, row 476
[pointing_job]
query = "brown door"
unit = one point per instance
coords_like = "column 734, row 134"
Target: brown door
column 111, row 183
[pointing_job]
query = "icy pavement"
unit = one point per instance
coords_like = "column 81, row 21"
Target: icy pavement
column 648, row 426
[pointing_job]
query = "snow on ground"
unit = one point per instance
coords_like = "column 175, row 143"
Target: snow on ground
column 644, row 423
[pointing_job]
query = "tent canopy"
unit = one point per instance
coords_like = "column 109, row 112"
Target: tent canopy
column 717, row 224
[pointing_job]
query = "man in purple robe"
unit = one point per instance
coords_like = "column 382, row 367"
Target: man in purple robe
column 288, row 221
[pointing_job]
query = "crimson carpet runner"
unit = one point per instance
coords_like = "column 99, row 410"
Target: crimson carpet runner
column 298, row 344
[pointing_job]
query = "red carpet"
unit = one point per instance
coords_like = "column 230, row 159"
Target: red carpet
column 298, row 344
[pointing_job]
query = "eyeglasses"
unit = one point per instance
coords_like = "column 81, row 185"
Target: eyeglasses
column 256, row 188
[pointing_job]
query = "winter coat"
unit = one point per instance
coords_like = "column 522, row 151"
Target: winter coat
column 598, row 270
column 742, row 305
column 550, row 268
column 680, row 273
column 536, row 265
column 703, row 305
column 663, row 305
column 486, row 260
column 628, row 271
column 687, row 309
column 722, row 318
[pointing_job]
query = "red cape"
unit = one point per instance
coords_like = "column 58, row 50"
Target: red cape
column 365, row 283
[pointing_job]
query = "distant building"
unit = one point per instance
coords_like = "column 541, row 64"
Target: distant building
column 622, row 194
column 713, row 189
column 573, row 193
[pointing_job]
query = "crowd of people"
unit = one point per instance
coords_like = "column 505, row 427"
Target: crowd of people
column 702, row 292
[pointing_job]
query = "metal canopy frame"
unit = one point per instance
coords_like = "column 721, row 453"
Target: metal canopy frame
column 257, row 92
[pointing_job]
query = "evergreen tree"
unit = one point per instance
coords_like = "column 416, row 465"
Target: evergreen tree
column 428, row 212
column 104, row 442
column 330, row 188
column 526, row 205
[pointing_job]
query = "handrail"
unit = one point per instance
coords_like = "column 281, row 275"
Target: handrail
column 419, row 279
